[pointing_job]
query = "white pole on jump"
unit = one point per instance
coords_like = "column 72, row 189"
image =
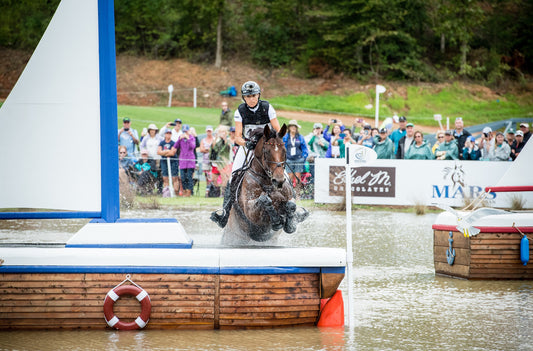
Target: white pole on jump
column 170, row 185
column 194, row 97
column 349, row 245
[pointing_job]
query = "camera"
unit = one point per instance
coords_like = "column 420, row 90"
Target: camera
column 485, row 135
column 360, row 120
column 366, row 131
column 334, row 120
column 126, row 129
column 342, row 135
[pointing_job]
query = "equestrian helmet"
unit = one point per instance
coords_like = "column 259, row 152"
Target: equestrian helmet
column 250, row 88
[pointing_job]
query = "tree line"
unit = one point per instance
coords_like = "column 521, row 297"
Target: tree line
column 412, row 40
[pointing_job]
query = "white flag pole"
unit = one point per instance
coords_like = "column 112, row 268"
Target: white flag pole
column 349, row 245
column 356, row 156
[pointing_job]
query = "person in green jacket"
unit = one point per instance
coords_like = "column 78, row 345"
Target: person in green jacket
column 383, row 146
column 447, row 150
column 344, row 138
column 420, row 149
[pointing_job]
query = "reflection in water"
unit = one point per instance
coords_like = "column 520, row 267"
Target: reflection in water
column 399, row 303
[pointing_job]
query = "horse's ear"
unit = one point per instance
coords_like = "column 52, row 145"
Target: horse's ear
column 266, row 132
column 282, row 131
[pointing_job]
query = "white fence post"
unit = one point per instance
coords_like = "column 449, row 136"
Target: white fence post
column 170, row 90
column 194, row 98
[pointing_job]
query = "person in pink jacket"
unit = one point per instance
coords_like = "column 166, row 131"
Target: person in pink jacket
column 186, row 147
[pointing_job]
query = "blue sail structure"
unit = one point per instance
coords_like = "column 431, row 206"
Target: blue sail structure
column 59, row 122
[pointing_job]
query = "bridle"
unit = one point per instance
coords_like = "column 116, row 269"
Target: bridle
column 266, row 170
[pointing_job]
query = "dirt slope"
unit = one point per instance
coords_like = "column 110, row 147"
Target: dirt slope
column 142, row 81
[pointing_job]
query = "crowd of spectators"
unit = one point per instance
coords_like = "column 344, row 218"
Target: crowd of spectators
column 171, row 158
column 175, row 152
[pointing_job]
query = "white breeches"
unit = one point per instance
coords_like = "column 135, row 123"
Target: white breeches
column 240, row 159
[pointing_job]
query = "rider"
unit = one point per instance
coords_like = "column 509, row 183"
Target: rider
column 252, row 114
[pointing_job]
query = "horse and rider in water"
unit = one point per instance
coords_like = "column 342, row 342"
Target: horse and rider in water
column 259, row 199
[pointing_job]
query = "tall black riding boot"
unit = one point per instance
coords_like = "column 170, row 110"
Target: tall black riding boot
column 222, row 219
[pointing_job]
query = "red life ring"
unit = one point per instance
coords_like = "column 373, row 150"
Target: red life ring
column 114, row 294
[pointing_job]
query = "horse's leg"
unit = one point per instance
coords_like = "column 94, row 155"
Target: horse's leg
column 293, row 217
column 275, row 219
column 291, row 223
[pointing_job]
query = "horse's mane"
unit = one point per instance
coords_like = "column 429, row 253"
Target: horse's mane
column 268, row 133
column 256, row 134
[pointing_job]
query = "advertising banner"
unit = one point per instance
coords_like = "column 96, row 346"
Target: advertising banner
column 413, row 182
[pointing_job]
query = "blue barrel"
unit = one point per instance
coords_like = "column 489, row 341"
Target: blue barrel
column 524, row 250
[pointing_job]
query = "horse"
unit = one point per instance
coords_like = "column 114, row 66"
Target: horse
column 263, row 196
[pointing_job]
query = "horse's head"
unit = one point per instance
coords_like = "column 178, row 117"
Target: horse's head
column 271, row 154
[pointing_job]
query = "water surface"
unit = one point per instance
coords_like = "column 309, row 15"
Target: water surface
column 399, row 302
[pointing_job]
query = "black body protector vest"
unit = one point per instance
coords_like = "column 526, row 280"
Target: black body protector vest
column 253, row 120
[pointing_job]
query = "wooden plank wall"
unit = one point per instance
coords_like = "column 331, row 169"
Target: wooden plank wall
column 189, row 301
column 497, row 256
column 258, row 301
column 484, row 256
column 461, row 264
column 37, row 301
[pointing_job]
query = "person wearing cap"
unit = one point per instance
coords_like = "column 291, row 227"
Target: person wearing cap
column 486, row 143
column 296, row 153
column 185, row 147
column 524, row 127
column 205, row 149
column 460, row 134
column 447, row 150
column 406, row 141
column 471, row 150
column 151, row 142
column 225, row 115
column 399, row 133
column 317, row 145
column 252, row 114
column 128, row 137
column 174, row 127
column 383, row 146
column 501, row 150
column 518, row 145
column 420, row 149
column 168, row 153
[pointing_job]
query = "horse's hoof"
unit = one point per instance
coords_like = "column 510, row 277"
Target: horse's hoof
column 302, row 215
column 289, row 228
column 277, row 226
column 220, row 219
column 264, row 200
column 290, row 207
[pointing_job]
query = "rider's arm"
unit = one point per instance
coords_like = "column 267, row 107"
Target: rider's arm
column 238, row 134
column 275, row 124
column 272, row 116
